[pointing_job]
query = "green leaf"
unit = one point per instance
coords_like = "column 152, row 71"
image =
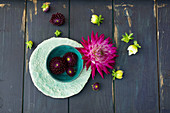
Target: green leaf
column 130, row 34
column 113, row 74
column 44, row 6
column 100, row 20
column 126, row 34
column 114, row 78
column 136, row 44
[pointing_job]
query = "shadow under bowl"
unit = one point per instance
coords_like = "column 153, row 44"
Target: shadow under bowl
column 60, row 51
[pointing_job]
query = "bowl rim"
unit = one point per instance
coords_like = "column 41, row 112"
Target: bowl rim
column 47, row 64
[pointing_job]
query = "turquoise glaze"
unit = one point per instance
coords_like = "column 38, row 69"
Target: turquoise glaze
column 59, row 52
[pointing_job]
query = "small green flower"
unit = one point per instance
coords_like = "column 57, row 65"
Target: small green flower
column 117, row 74
column 97, row 19
column 127, row 37
column 29, row 44
column 133, row 49
column 57, row 33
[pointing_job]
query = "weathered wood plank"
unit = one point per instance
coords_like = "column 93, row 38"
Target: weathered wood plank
column 11, row 55
column 39, row 28
column 138, row 91
column 164, row 54
column 89, row 101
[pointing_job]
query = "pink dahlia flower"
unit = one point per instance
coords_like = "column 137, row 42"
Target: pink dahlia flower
column 99, row 53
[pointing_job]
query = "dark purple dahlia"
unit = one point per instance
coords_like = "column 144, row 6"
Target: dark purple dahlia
column 57, row 65
column 71, row 58
column 70, row 71
column 57, row 19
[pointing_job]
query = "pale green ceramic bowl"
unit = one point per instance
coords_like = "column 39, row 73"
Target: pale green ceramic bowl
column 59, row 52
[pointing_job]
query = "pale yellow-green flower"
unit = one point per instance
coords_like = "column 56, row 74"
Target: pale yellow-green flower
column 117, row 74
column 97, row 19
column 133, row 49
column 94, row 19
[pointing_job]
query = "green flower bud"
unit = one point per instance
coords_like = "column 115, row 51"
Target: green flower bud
column 119, row 74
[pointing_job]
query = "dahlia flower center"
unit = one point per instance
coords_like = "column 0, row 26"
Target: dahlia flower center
column 101, row 52
column 70, row 72
column 96, row 86
column 57, row 65
column 68, row 59
column 57, row 20
column 98, row 52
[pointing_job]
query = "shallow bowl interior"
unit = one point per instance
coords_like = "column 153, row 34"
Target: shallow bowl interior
column 59, row 52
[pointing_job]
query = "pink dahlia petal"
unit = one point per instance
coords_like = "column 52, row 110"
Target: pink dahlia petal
column 84, row 50
column 106, row 70
column 101, row 38
column 99, row 70
column 111, row 61
column 92, row 37
column 89, row 41
column 85, row 58
column 93, row 71
column 84, row 44
column 84, row 63
column 114, row 48
column 85, row 41
column 109, row 66
column 108, row 40
column 111, row 42
column 96, row 36
column 80, row 50
column 88, row 64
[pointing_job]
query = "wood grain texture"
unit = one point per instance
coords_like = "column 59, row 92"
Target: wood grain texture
column 11, row 56
column 138, row 91
column 89, row 101
column 39, row 28
column 164, row 54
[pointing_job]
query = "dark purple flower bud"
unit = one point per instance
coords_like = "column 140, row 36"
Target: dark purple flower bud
column 95, row 86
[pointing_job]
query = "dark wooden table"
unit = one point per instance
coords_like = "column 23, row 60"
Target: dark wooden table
column 146, row 84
